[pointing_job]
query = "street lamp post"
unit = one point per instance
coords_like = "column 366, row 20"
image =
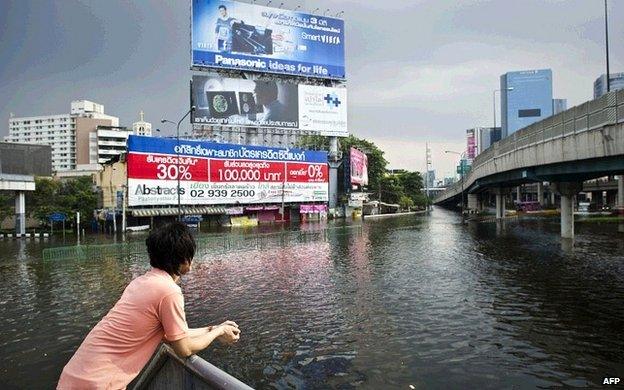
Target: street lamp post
column 607, row 45
column 178, row 154
column 462, row 156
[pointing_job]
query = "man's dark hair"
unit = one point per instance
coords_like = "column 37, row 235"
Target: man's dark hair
column 169, row 246
column 222, row 6
column 267, row 88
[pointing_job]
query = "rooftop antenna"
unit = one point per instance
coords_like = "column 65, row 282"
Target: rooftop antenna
column 339, row 14
column 317, row 8
column 270, row 1
column 326, row 11
column 299, row 6
column 281, row 4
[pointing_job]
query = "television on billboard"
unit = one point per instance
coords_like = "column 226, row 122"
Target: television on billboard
column 235, row 35
column 214, row 173
column 358, row 167
column 260, row 103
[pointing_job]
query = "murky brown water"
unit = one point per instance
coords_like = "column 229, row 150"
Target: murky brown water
column 416, row 300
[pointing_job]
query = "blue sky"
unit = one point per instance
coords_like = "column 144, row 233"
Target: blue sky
column 418, row 71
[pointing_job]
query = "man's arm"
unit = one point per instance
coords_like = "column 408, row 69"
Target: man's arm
column 199, row 339
column 199, row 331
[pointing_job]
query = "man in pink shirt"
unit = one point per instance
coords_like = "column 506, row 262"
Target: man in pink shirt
column 150, row 310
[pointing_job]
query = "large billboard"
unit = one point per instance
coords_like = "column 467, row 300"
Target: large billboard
column 214, row 173
column 236, row 35
column 259, row 103
column 471, row 144
column 358, row 167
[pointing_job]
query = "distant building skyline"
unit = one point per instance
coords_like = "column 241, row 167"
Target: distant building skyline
column 616, row 83
column 559, row 105
column 67, row 134
column 526, row 97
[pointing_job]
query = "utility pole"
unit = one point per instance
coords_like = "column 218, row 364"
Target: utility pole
column 427, row 165
column 607, row 45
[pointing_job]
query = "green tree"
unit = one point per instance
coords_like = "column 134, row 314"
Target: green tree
column 41, row 202
column 376, row 161
column 391, row 189
column 66, row 197
column 406, row 202
column 6, row 208
column 412, row 183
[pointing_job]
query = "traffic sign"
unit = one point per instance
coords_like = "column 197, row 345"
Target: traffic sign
column 57, row 217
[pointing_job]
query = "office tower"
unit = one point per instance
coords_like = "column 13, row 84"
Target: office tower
column 526, row 97
column 600, row 85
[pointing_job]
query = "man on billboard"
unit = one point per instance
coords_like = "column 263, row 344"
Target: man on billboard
column 223, row 29
column 266, row 95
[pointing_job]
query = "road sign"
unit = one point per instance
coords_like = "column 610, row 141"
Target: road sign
column 192, row 219
column 57, row 217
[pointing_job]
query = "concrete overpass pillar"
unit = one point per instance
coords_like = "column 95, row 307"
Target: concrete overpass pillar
column 20, row 213
column 620, row 194
column 540, row 193
column 519, row 193
column 500, row 203
column 567, row 191
column 473, row 202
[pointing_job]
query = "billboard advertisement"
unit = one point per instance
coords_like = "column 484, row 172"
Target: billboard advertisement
column 214, row 173
column 358, row 167
column 236, row 35
column 471, row 144
column 323, row 109
column 259, row 103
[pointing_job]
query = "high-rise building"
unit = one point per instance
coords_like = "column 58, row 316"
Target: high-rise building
column 63, row 132
column 110, row 141
column 486, row 136
column 526, row 97
column 600, row 85
column 141, row 127
column 559, row 105
column 430, row 177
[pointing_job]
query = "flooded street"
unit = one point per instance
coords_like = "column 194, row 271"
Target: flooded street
column 420, row 301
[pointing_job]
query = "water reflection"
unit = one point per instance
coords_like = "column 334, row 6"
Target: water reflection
column 424, row 301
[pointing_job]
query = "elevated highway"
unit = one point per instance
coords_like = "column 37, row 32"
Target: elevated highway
column 582, row 143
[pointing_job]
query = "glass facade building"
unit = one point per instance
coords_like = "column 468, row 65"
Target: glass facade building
column 600, row 85
column 559, row 105
column 526, row 97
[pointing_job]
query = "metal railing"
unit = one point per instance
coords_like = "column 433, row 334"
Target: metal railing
column 166, row 370
column 604, row 111
column 215, row 243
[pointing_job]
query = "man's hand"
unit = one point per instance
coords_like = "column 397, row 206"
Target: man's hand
column 229, row 323
column 229, row 332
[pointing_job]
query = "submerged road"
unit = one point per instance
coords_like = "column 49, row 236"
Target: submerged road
column 416, row 300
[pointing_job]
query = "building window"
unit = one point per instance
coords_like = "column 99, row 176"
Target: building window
column 533, row 112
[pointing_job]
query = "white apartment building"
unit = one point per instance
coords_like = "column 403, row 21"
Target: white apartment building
column 107, row 142
column 141, row 127
column 60, row 131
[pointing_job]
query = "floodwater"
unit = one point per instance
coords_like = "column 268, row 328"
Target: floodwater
column 419, row 300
